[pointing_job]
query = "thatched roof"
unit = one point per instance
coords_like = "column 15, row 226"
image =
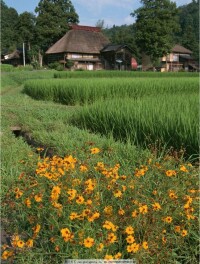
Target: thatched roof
column 80, row 39
column 14, row 55
column 180, row 49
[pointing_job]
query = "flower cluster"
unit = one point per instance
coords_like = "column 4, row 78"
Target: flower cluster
column 97, row 211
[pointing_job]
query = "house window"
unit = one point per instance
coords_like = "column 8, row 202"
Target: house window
column 76, row 56
column 88, row 56
column 175, row 57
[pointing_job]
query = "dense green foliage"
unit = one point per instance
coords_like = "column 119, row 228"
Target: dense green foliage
column 26, row 27
column 9, row 18
column 38, row 32
column 156, row 22
column 189, row 22
column 52, row 21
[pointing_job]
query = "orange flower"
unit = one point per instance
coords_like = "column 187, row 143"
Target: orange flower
column 121, row 212
column 143, row 209
column 38, row 197
column 94, row 150
column 117, row 193
column 29, row 243
column 134, row 213
column 73, row 216
column 83, row 168
column 183, row 168
column 156, row 206
column 168, row 219
column 79, row 199
column 6, row 254
column 66, row 234
column 118, row 255
column 145, row 245
column 108, row 257
column 139, row 173
column 130, row 239
column 170, row 173
column 57, row 248
column 109, row 225
column 100, row 247
column 172, row 194
column 108, row 210
column 112, row 238
column 27, row 202
column 88, row 242
column 20, row 243
column 55, row 193
column 18, row 194
column 177, row 229
column 184, row 232
column 65, row 231
column 36, row 229
column 133, row 248
column 129, row 230
column 72, row 194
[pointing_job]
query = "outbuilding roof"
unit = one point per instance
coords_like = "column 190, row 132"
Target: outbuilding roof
column 180, row 49
column 115, row 47
column 80, row 39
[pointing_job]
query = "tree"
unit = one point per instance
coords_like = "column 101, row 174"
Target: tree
column 156, row 23
column 100, row 23
column 26, row 28
column 9, row 36
column 124, row 34
column 54, row 17
column 189, row 23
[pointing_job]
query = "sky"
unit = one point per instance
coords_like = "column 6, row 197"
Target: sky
column 113, row 12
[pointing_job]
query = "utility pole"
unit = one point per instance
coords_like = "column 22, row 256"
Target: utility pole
column 24, row 55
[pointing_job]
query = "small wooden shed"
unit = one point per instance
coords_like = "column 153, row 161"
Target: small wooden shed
column 14, row 58
column 117, row 57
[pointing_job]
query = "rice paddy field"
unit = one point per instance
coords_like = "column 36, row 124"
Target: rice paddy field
column 105, row 166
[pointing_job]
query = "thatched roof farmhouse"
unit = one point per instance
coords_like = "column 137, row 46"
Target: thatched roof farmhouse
column 82, row 45
column 89, row 49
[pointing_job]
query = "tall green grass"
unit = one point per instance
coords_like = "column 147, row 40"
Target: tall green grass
column 11, row 68
column 82, row 91
column 115, row 74
column 173, row 120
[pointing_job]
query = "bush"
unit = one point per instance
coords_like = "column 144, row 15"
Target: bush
column 56, row 66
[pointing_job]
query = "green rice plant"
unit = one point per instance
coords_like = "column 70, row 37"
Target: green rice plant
column 171, row 119
column 7, row 68
column 122, row 74
column 27, row 67
column 82, row 91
